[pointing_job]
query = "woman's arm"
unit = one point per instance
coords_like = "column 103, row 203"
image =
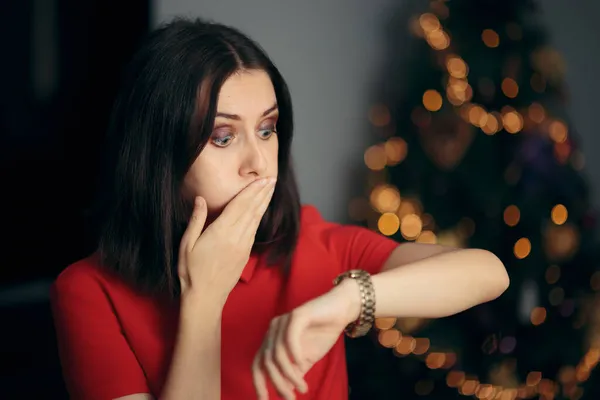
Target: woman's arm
column 431, row 281
column 195, row 371
column 407, row 253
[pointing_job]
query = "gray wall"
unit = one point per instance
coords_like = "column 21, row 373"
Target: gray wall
column 330, row 52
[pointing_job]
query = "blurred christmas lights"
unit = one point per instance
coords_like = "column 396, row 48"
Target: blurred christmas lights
column 390, row 212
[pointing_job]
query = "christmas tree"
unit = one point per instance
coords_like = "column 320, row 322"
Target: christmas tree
column 475, row 150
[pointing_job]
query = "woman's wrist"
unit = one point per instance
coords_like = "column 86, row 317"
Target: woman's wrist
column 349, row 292
column 204, row 296
column 200, row 309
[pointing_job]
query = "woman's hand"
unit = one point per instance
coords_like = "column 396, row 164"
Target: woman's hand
column 212, row 261
column 297, row 340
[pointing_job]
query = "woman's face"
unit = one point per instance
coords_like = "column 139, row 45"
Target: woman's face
column 243, row 145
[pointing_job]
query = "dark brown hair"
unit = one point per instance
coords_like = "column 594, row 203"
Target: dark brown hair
column 162, row 119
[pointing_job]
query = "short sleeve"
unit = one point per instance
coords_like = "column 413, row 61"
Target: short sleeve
column 97, row 362
column 354, row 246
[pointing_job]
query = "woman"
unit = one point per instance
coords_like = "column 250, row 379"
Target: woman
column 210, row 280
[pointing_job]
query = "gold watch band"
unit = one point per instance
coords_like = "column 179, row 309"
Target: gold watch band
column 365, row 321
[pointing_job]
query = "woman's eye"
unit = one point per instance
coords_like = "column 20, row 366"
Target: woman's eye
column 267, row 133
column 222, row 141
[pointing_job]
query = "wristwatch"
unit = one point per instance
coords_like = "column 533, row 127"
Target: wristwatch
column 365, row 321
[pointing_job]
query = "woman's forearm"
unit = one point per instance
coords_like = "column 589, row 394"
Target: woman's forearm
column 195, row 371
column 434, row 287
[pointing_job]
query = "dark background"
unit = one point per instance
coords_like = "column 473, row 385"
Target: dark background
column 49, row 147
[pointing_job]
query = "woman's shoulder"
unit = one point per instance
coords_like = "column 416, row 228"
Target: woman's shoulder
column 86, row 276
column 310, row 216
column 309, row 213
column 354, row 246
column 337, row 234
column 315, row 226
column 311, row 220
column 80, row 271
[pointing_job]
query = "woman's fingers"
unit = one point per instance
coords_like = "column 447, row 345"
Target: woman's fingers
column 242, row 215
column 189, row 239
column 195, row 226
column 282, row 359
column 273, row 361
column 292, row 340
column 282, row 385
column 250, row 220
column 246, row 200
column 258, row 376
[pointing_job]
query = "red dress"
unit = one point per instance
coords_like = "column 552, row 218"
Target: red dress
column 114, row 341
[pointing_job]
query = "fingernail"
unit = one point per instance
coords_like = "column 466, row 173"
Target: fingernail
column 199, row 201
column 262, row 181
column 272, row 180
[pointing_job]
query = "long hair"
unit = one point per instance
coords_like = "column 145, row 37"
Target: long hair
column 162, row 119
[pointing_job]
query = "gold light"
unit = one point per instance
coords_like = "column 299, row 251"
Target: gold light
column 490, row 38
column 455, row 378
column 533, row 378
column 561, row 239
column 396, row 150
column 427, row 237
column 537, row 113
column 438, row 39
column 411, row 226
column 405, row 345
column 538, row 315
column 388, row 224
column 458, row 91
column 457, row 67
column 435, row 360
column 492, row 124
column 484, row 391
column 477, row 115
column 385, row 323
column 388, row 338
column 512, row 215
column 385, row 198
column 558, row 131
column 429, row 22
column 451, row 359
column 513, row 122
column 510, row 88
column 559, row 214
column 375, row 158
column 421, row 346
column 522, row 248
column 469, row 387
column 432, row 100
